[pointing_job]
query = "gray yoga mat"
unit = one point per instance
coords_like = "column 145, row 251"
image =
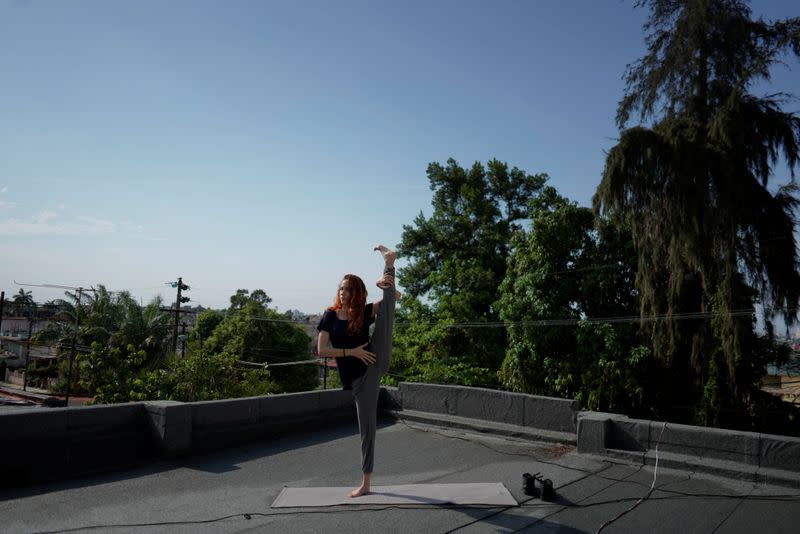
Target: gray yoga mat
column 492, row 493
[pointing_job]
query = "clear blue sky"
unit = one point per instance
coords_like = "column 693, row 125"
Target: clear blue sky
column 265, row 144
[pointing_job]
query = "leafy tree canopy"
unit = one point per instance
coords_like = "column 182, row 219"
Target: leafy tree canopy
column 457, row 260
column 562, row 273
column 257, row 333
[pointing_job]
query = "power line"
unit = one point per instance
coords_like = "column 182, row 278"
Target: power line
column 267, row 365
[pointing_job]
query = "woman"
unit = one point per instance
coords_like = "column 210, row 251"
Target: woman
column 344, row 335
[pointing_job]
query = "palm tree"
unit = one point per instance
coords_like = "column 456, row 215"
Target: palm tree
column 23, row 302
column 144, row 327
column 116, row 319
column 712, row 238
column 109, row 318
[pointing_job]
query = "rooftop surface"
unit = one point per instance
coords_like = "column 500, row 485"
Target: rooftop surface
column 231, row 490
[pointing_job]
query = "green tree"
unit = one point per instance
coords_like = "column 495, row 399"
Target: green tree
column 207, row 322
column 256, row 333
column 202, row 376
column 109, row 373
column 112, row 321
column 24, row 303
column 711, row 237
column 563, row 273
column 145, row 327
column 239, row 299
column 457, row 261
column 259, row 296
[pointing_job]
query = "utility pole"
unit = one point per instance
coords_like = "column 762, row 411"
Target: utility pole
column 27, row 353
column 2, row 302
column 74, row 342
column 178, row 301
column 183, row 339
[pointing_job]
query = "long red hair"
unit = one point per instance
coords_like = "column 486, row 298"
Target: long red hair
column 358, row 301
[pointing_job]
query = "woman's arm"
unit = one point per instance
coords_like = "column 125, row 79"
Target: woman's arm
column 326, row 351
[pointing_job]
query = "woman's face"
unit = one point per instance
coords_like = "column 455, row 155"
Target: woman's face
column 344, row 291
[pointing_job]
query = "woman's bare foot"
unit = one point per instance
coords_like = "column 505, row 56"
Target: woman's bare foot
column 359, row 491
column 388, row 255
column 363, row 489
column 387, row 280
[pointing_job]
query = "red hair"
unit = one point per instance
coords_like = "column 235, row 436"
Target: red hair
column 355, row 308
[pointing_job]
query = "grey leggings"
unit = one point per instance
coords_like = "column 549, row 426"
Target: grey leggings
column 366, row 388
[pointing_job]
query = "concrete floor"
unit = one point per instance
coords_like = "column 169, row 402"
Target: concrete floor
column 231, row 491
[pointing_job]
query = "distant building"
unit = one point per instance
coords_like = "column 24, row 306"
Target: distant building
column 17, row 346
column 17, row 327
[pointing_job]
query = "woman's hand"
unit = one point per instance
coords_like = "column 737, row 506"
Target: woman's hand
column 362, row 354
column 387, row 280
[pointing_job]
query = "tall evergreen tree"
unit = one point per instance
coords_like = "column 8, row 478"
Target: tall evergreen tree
column 711, row 237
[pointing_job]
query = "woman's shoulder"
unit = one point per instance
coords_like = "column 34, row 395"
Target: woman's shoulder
column 327, row 320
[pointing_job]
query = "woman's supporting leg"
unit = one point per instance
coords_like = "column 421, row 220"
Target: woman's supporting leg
column 367, row 388
column 365, row 391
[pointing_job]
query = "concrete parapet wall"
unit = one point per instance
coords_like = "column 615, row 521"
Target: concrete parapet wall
column 43, row 444
column 40, row 444
column 220, row 423
column 171, row 426
column 602, row 433
column 779, row 452
column 547, row 413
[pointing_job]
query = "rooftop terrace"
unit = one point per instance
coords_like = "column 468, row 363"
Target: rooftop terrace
column 215, row 485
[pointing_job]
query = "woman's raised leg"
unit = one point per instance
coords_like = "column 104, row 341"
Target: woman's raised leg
column 366, row 389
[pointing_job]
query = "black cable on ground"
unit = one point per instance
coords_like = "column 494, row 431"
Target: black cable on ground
column 738, row 504
column 349, row 508
column 358, row 509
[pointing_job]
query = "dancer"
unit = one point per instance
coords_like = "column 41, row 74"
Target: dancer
column 344, row 335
